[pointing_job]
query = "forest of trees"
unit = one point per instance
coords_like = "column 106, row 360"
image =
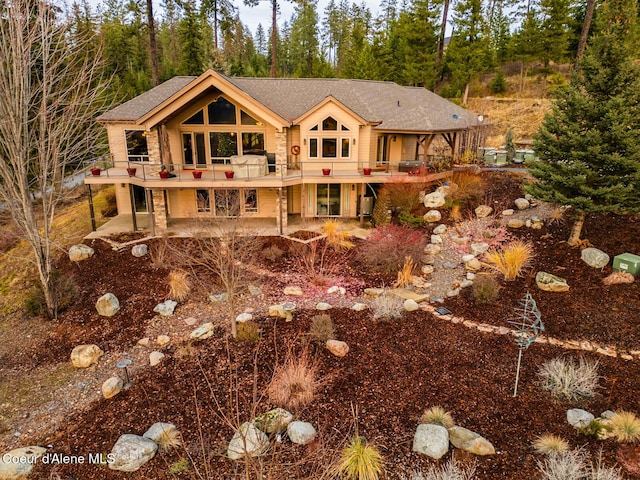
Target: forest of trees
column 147, row 42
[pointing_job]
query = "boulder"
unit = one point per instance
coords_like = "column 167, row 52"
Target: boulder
column 160, row 432
column 130, row 452
column 432, row 249
column 454, row 292
column 618, row 278
column 440, row 229
column 143, row 342
column 293, row 290
column 483, row 211
column 277, row 311
column 139, row 250
column 166, row 308
column 410, row 305
column 579, row 418
column 473, row 265
column 427, row 269
column 80, row 252
column 218, row 297
column 508, row 212
column 428, row 259
column 244, row 317
column 468, row 257
column 432, row 216
column 111, row 387
column 478, row 248
column 470, row 441
column 522, row 203
column 17, row 464
column 155, row 358
column 203, row 332
column 431, row 440
column 436, row 239
column 460, row 240
column 254, row 291
column 323, row 306
column 273, row 421
column 108, row 305
column 594, row 257
column 190, row 321
column 84, row 356
column 434, row 200
column 337, row 290
column 466, row 283
column 248, row 440
column 374, row 292
column 551, row 283
column 163, row 340
column 301, row 433
column 337, row 347
column 359, row 307
column 515, row 223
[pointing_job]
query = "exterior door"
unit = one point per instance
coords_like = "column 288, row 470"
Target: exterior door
column 328, row 200
column 193, row 148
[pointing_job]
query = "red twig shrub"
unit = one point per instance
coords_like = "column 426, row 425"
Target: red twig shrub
column 387, row 246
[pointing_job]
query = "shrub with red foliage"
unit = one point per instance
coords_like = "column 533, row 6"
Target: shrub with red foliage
column 387, row 246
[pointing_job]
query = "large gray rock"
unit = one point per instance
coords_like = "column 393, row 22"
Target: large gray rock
column 432, row 249
column 84, row 356
column 80, row 252
column 108, row 305
column 244, row 317
column 203, row 332
column 130, row 452
column 478, row 248
column 594, row 257
column 551, row 283
column 166, row 308
column 410, row 305
column 139, row 250
column 248, row 440
column 431, row 440
column 434, row 200
column 432, row 216
column 522, row 203
column 469, row 441
column 579, row 418
column 483, row 211
column 162, row 433
column 17, row 464
column 301, row 433
column 440, row 229
column 274, row 421
column 293, row 290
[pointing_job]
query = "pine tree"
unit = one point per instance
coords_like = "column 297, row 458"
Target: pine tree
column 588, row 144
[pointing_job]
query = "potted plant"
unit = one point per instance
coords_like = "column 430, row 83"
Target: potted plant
column 366, row 171
column 132, row 171
column 326, row 171
column 164, row 173
column 197, row 174
column 229, row 173
column 95, row 171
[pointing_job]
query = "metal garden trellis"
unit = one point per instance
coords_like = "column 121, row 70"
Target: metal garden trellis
column 529, row 325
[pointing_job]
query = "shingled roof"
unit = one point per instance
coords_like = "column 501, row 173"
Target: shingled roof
column 391, row 106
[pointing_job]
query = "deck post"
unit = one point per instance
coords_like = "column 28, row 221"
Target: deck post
column 92, row 212
column 362, row 192
column 134, row 220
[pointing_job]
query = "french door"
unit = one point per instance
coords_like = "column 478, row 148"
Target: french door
column 328, row 199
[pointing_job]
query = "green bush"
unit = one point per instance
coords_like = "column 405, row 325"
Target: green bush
column 498, row 84
column 406, row 219
column 485, row 289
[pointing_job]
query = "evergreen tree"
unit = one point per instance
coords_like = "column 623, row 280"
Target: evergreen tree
column 555, row 30
column 192, row 61
column 304, row 53
column 588, row 144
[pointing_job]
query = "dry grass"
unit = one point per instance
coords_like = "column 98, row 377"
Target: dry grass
column 294, row 382
column 248, row 331
column 322, row 329
column 387, row 307
column 179, row 285
column 437, row 416
column 467, row 188
column 405, row 275
column 625, row 426
column 568, row 380
column 452, row 470
column 485, row 289
column 511, row 259
column 336, row 238
column 548, row 444
column 361, row 460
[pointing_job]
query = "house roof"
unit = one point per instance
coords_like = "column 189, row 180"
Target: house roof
column 387, row 104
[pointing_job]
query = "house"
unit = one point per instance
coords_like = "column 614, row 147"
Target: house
column 274, row 148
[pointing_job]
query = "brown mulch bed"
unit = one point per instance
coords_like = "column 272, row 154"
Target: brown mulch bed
column 392, row 373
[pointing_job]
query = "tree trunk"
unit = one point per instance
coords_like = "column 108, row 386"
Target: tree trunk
column 443, row 26
column 465, row 96
column 153, row 49
column 586, row 25
column 576, row 230
column 274, row 39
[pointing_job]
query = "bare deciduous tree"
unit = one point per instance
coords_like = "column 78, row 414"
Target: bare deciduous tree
column 50, row 93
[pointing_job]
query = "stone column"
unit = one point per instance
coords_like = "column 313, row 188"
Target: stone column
column 282, row 211
column 159, row 209
column 281, row 153
column 153, row 146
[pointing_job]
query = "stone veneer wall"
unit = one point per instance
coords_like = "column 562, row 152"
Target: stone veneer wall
column 153, row 146
column 281, row 153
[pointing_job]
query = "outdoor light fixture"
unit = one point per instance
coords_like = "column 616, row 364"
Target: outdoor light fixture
column 123, row 364
column 443, row 311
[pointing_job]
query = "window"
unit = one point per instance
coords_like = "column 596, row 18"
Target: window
column 223, row 145
column 313, row 148
column 227, row 202
column 246, row 119
column 329, row 124
column 253, row 143
column 136, row 146
column 196, row 119
column 251, row 201
column 222, row 112
column 345, row 150
column 329, row 147
column 203, row 201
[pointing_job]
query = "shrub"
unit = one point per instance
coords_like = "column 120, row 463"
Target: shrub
column 569, row 465
column 405, row 275
column 322, row 329
column 159, row 253
column 272, row 253
column 511, row 259
column 485, row 289
column 294, row 382
column 179, row 466
column 437, row 416
column 387, row 306
column 549, row 444
column 498, row 84
column 63, row 292
column 625, row 426
column 403, row 196
column 595, row 429
column 569, row 381
column 408, row 220
column 179, row 287
column 387, row 246
column 468, row 188
column 111, row 207
column 361, row 460
column 248, row 331
column 452, row 470
column 169, row 438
